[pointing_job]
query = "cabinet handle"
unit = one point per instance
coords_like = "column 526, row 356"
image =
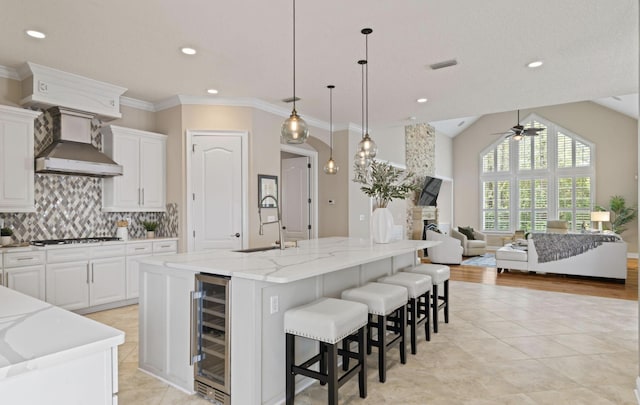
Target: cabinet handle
column 91, row 272
column 143, row 196
column 140, row 248
column 87, row 273
column 192, row 324
column 20, row 259
column 139, row 199
column 165, row 246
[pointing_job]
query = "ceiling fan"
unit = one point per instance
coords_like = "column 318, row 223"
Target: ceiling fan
column 517, row 132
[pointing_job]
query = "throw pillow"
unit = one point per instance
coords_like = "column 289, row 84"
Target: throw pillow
column 467, row 231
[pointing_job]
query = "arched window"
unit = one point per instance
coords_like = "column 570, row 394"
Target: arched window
column 527, row 182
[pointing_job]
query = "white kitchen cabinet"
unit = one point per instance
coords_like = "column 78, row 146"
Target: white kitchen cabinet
column 25, row 272
column 83, row 277
column 16, row 159
column 139, row 250
column 142, row 187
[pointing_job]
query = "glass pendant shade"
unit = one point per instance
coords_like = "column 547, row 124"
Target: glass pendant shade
column 361, row 160
column 368, row 147
column 331, row 167
column 294, row 129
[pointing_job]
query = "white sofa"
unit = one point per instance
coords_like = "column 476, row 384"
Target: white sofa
column 608, row 260
column 449, row 251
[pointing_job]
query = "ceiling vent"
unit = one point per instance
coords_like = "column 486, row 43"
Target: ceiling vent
column 443, row 64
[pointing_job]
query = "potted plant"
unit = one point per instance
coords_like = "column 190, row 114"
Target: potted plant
column 621, row 213
column 150, row 227
column 384, row 183
column 5, row 236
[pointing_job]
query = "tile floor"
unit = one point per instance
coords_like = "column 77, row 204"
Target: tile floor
column 503, row 345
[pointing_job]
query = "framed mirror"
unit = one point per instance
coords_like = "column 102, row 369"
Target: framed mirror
column 267, row 187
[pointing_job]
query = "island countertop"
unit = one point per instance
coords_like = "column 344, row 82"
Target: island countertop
column 36, row 335
column 311, row 258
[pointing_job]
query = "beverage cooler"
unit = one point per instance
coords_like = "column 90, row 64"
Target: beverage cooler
column 211, row 338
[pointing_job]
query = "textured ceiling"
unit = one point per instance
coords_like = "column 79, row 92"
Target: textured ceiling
column 590, row 50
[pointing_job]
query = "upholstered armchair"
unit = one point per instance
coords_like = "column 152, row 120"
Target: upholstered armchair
column 449, row 251
column 471, row 247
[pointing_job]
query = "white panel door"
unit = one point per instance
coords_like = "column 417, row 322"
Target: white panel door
column 295, row 198
column 216, row 170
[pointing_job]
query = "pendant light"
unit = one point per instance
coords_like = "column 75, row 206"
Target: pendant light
column 367, row 145
column 331, row 167
column 361, row 159
column 294, row 129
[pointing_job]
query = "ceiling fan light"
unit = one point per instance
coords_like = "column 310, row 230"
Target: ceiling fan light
column 294, row 129
column 517, row 137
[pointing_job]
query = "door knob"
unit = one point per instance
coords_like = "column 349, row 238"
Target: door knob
column 237, row 235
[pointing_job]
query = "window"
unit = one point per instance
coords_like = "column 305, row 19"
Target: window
column 527, row 182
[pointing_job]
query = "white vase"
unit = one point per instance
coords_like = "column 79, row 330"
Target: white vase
column 381, row 225
column 5, row 240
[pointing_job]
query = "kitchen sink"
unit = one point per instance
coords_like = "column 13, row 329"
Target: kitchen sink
column 257, row 249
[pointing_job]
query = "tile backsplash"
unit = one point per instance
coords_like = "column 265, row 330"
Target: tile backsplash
column 70, row 206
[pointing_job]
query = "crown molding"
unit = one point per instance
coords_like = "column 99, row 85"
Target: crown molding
column 137, row 104
column 9, row 73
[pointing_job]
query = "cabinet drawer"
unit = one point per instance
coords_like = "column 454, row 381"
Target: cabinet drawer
column 165, row 246
column 139, row 248
column 21, row 259
column 108, row 251
column 65, row 255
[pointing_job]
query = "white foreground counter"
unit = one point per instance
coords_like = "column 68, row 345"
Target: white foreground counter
column 52, row 356
column 317, row 268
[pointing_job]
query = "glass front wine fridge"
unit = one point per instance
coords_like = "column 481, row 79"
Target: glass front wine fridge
column 211, row 338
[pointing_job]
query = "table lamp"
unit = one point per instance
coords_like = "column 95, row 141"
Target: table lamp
column 599, row 217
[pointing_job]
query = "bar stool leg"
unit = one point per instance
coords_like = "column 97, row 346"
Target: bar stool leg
column 369, row 334
column 403, row 329
column 427, row 322
column 382, row 348
column 290, row 377
column 434, row 306
column 446, row 301
column 412, row 314
column 323, row 359
column 332, row 360
column 345, row 359
column 362, row 375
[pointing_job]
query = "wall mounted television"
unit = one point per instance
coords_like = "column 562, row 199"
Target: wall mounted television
column 430, row 191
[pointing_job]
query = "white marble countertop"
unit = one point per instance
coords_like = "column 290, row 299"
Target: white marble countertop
column 25, row 247
column 35, row 334
column 311, row 258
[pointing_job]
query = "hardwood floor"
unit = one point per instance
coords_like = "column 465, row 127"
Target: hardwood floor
column 553, row 282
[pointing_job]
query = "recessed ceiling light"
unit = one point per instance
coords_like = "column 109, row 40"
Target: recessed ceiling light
column 421, row 100
column 188, row 51
column 535, row 64
column 36, row 34
column 212, row 91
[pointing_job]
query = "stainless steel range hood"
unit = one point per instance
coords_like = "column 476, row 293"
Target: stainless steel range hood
column 71, row 151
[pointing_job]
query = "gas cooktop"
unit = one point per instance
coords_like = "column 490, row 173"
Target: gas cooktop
column 94, row 239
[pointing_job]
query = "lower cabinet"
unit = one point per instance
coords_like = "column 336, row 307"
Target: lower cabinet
column 68, row 285
column 25, row 272
column 107, row 281
column 27, row 280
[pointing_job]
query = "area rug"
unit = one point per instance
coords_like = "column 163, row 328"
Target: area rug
column 486, row 260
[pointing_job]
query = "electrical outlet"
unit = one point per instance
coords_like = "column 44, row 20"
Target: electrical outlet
column 274, row 304
column 332, row 202
column 361, row 217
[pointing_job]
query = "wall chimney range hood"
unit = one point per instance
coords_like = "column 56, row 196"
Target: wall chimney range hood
column 71, row 151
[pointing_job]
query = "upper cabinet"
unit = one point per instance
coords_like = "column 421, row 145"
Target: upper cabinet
column 16, row 159
column 142, row 187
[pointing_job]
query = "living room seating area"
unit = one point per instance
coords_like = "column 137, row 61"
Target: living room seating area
column 473, row 243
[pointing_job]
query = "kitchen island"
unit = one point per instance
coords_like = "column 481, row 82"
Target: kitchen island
column 262, row 286
column 52, row 356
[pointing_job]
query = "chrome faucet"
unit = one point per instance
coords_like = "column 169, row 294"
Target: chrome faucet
column 278, row 221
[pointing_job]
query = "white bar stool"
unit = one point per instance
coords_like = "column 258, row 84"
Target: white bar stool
column 419, row 289
column 439, row 274
column 327, row 320
column 388, row 303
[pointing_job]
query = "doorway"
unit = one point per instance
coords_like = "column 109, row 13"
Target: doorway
column 298, row 174
column 216, row 190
